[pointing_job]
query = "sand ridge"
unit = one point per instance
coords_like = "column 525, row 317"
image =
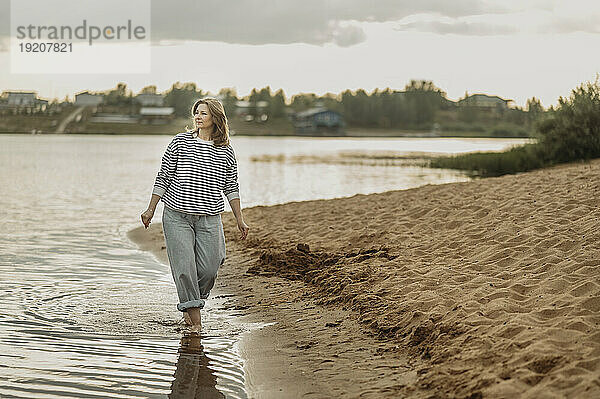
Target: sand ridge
column 494, row 284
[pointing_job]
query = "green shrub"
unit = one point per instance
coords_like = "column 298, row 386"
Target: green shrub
column 509, row 131
column 569, row 133
column 517, row 159
column 573, row 130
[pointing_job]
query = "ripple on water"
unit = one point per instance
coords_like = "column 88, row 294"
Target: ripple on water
column 43, row 360
column 101, row 328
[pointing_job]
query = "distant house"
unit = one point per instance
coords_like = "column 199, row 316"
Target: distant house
column 114, row 118
column 42, row 105
column 150, row 100
column 156, row 115
column 87, row 99
column 21, row 98
column 244, row 110
column 320, row 121
column 484, row 101
column 23, row 102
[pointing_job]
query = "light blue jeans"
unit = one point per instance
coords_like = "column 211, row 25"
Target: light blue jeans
column 196, row 249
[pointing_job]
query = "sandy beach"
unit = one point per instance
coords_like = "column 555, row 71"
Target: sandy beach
column 483, row 289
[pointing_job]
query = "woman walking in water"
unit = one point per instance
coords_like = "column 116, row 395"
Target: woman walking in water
column 197, row 167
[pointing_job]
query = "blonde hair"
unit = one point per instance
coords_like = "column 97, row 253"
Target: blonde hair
column 220, row 133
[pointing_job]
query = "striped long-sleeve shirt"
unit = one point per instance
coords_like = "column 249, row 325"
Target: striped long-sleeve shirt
column 194, row 174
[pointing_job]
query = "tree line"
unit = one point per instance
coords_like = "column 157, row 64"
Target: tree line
column 419, row 106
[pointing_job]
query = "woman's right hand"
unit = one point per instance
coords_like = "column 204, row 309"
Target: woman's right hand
column 147, row 217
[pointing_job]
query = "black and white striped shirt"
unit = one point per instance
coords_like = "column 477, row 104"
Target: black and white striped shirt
column 193, row 174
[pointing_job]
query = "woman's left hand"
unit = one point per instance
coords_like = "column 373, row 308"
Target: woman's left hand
column 243, row 227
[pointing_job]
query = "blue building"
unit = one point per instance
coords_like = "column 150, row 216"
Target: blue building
column 319, row 122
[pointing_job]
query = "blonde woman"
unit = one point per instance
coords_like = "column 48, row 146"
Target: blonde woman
column 197, row 168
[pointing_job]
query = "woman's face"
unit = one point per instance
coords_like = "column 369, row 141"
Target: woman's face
column 202, row 117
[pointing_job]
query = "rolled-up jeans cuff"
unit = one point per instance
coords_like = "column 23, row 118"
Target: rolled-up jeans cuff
column 196, row 303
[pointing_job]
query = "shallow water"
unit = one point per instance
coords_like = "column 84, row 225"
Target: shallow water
column 85, row 313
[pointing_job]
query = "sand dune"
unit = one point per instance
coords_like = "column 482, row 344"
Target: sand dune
column 494, row 284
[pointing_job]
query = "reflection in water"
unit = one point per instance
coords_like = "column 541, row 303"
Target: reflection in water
column 193, row 377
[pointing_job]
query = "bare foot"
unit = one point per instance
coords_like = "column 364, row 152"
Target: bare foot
column 196, row 329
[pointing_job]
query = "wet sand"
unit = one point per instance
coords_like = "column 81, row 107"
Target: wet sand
column 311, row 349
column 489, row 288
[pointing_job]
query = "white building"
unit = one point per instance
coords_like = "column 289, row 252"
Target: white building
column 22, row 101
column 157, row 111
column 242, row 108
column 157, row 115
column 20, row 98
column 485, row 101
column 87, row 99
column 150, row 100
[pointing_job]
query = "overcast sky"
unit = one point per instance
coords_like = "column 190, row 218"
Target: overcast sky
column 514, row 49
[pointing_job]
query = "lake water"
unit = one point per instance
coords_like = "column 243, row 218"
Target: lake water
column 86, row 314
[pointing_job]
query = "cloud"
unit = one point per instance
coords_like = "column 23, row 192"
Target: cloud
column 338, row 22
column 458, row 28
column 532, row 17
column 346, row 36
column 572, row 25
column 315, row 22
column 570, row 17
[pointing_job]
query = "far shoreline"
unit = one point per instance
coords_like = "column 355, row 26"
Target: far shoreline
column 353, row 135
